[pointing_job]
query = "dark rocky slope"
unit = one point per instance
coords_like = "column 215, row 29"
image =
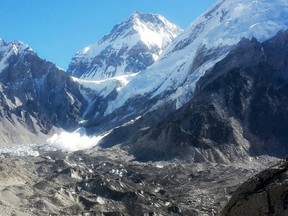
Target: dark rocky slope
column 35, row 96
column 239, row 109
column 264, row 194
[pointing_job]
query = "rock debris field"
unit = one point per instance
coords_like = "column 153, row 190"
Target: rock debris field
column 37, row 180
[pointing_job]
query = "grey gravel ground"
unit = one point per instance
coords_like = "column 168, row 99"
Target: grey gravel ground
column 109, row 182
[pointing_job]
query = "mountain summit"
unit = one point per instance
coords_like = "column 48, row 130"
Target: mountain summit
column 131, row 46
column 7, row 50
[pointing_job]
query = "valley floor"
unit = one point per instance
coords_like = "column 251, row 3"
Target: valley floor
column 38, row 180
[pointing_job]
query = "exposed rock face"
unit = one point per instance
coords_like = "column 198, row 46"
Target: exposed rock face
column 264, row 194
column 35, row 96
column 132, row 46
column 239, row 109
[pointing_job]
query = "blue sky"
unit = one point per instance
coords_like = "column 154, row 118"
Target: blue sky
column 57, row 29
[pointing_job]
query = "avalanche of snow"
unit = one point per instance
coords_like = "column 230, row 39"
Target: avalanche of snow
column 222, row 26
column 74, row 141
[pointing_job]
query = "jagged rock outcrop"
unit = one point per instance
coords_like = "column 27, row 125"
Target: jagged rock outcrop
column 263, row 194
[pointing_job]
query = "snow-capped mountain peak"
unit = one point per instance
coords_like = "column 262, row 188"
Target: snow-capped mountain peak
column 1, row 41
column 152, row 34
column 130, row 47
column 9, row 49
column 20, row 47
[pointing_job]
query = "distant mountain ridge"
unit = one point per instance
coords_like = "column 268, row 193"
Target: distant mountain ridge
column 131, row 46
column 36, row 97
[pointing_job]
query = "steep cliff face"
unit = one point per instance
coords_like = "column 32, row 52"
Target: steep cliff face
column 239, row 110
column 35, row 96
column 131, row 46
